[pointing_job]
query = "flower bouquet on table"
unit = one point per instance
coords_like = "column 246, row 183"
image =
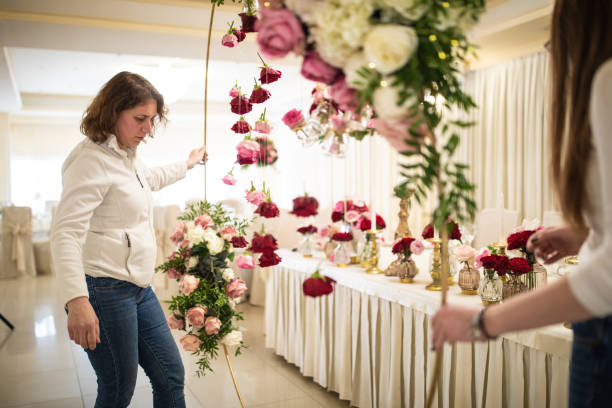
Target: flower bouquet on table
column 537, row 276
column 469, row 277
column 404, row 266
column 205, row 307
column 342, row 253
column 516, row 268
column 306, row 207
column 495, row 266
column 347, row 213
column 370, row 247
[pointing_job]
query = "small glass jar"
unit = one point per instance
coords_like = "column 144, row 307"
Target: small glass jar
column 536, row 278
column 490, row 289
column 513, row 286
column 342, row 254
column 469, row 279
column 306, row 247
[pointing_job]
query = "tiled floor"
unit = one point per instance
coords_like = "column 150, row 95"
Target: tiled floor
column 41, row 367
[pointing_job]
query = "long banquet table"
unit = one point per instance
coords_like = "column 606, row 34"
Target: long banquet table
column 369, row 341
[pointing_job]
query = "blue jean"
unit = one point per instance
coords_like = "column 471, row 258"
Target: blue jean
column 591, row 365
column 133, row 331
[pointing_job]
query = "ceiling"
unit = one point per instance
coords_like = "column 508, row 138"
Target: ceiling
column 71, row 47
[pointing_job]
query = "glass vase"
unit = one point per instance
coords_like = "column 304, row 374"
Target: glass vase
column 342, row 254
column 469, row 279
column 490, row 289
column 329, row 248
column 306, row 247
column 536, row 278
column 367, row 253
column 513, row 286
column 406, row 269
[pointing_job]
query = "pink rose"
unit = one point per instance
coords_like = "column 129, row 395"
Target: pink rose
column 196, row 316
column 344, row 95
column 316, row 69
column 324, row 232
column 279, row 32
column 464, row 253
column 478, row 260
column 180, row 229
column 228, row 233
column 263, row 127
column 173, row 273
column 245, row 262
column 416, row 247
column 212, row 325
column 185, row 243
column 248, row 151
column 188, row 284
column 255, row 197
column 234, row 92
column 396, row 131
column 190, row 342
column 235, row 288
column 229, row 179
column 351, row 216
column 175, row 323
column 229, row 40
column 204, row 221
column 338, row 122
column 293, row 119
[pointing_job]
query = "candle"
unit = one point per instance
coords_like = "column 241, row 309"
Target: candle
column 500, row 216
column 373, row 219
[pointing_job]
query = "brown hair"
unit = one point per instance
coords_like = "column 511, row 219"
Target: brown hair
column 580, row 44
column 123, row 91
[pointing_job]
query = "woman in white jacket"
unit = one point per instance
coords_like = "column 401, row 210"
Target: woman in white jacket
column 103, row 245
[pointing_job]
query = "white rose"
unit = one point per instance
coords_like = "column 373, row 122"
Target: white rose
column 411, row 9
column 386, row 99
column 228, row 274
column 213, row 241
column 195, row 234
column 192, row 262
column 390, row 46
column 353, row 64
column 232, row 338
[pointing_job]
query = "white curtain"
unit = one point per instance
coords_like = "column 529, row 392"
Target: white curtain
column 507, row 149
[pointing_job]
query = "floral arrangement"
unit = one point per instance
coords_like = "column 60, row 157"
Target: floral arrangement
column 407, row 246
column 305, row 206
column 518, row 241
column 453, row 228
column 495, row 262
column 318, row 285
column 309, row 229
column 205, row 306
column 478, row 260
column 519, row 266
column 342, row 237
column 465, row 254
column 364, row 222
column 348, row 211
column 265, row 244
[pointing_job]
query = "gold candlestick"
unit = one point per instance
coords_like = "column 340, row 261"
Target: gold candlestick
column 372, row 262
column 436, row 285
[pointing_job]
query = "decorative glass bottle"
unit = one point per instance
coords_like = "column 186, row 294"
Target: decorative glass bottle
column 368, row 250
column 490, row 289
column 537, row 277
column 513, row 286
column 342, row 254
column 306, row 247
column 406, row 269
column 469, row 278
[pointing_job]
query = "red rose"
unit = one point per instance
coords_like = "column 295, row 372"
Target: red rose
column 248, row 22
column 268, row 75
column 259, row 95
column 365, row 224
column 318, row 285
column 402, row 245
column 519, row 266
column 240, row 35
column 316, row 69
column 499, row 263
column 244, row 161
column 267, row 209
column 241, row 105
column 310, row 229
column 242, row 126
column 428, row 231
column 239, row 242
column 342, row 237
column 263, row 243
column 337, row 216
column 269, row 258
column 305, row 206
column 455, row 233
column 519, row 240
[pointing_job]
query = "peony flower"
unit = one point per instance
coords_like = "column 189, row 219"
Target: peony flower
column 175, row 323
column 241, row 126
column 279, row 32
column 235, row 288
column 255, row 197
column 294, row 119
column 192, row 262
column 240, row 35
column 416, row 247
column 212, row 325
column 428, row 231
column 229, row 180
column 233, row 338
column 179, row 232
column 173, row 273
column 263, row 243
column 239, row 242
column 397, row 132
column 267, row 209
column 188, row 284
column 228, row 274
column 228, row 233
column 214, row 243
column 269, row 258
column 344, row 95
column 195, row 235
column 196, row 316
column 316, row 69
column 351, row 216
column 402, row 245
column 352, row 65
column 204, row 221
column 229, row 40
column 482, row 254
column 190, row 342
column 234, row 92
column 386, row 102
column 268, row 75
column 241, row 105
column 342, row 237
column 259, row 95
column 245, row 262
column 249, row 22
column 464, row 253
column 498, row 263
column 318, row 285
column 390, row 46
column 263, row 127
column 247, row 151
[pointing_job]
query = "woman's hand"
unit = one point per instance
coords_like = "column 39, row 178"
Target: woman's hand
column 197, row 156
column 453, row 323
column 553, row 243
column 83, row 324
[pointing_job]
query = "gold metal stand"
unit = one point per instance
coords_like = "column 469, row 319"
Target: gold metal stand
column 229, row 365
column 372, row 262
column 436, row 285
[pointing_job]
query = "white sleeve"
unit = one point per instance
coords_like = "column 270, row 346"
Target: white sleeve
column 591, row 284
column 160, row 177
column 84, row 185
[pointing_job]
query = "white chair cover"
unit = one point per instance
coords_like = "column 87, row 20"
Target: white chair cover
column 487, row 225
column 17, row 250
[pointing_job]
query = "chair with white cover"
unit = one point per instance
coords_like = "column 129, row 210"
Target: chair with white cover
column 17, row 249
column 552, row 219
column 487, row 225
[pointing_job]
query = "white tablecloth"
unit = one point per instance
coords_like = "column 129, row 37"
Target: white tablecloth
column 369, row 341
